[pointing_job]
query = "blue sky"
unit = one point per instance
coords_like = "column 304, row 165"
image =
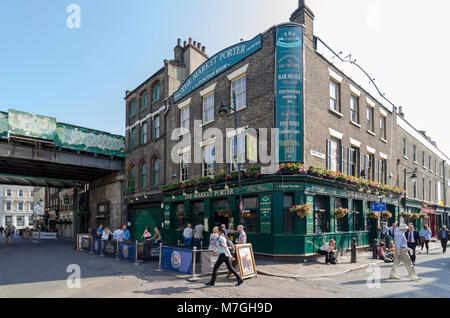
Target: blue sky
column 80, row 75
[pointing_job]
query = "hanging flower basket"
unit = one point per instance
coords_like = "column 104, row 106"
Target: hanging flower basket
column 340, row 212
column 415, row 216
column 406, row 215
column 372, row 215
column 386, row 214
column 225, row 213
column 181, row 215
column 301, row 210
column 423, row 216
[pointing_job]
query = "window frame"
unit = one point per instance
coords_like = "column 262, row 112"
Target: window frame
column 208, row 101
column 243, row 79
column 335, row 87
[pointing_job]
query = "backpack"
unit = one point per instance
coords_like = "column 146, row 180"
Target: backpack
column 332, row 259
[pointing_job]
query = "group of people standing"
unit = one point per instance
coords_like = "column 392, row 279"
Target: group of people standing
column 9, row 233
column 148, row 238
column 196, row 235
column 121, row 234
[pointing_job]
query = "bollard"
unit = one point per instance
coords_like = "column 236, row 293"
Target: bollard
column 194, row 278
column 353, row 250
column 160, row 256
column 92, row 246
column 178, row 242
column 136, row 261
column 375, row 243
column 101, row 248
column 117, row 250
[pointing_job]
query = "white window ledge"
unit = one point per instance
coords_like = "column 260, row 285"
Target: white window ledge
column 207, row 123
column 383, row 140
column 238, row 72
column 370, row 132
column 335, row 112
column 355, row 123
column 208, row 90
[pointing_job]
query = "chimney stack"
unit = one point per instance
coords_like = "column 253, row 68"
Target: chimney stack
column 199, row 45
column 195, row 43
column 179, row 42
column 400, row 112
column 190, row 41
column 303, row 15
column 203, row 49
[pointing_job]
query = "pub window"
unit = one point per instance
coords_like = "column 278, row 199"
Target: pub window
column 208, row 161
column 340, row 222
column 239, row 87
column 239, row 155
column 320, row 217
column 8, row 220
column 251, row 216
column 288, row 217
column 358, row 216
column 353, row 162
column 20, row 221
column 197, row 216
column 383, row 127
column 370, row 119
column 208, row 108
column 184, row 119
column 185, row 160
column 333, row 154
column 334, row 96
column 354, row 108
column 181, row 220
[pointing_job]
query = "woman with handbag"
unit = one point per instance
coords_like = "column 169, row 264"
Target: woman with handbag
column 425, row 237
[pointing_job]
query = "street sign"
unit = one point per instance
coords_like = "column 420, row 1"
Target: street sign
column 378, row 207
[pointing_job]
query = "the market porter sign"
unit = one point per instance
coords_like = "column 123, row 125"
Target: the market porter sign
column 218, row 64
column 289, row 91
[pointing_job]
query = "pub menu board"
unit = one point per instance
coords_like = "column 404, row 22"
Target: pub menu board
column 109, row 247
column 310, row 218
column 289, row 91
column 167, row 216
column 265, row 208
column 85, row 243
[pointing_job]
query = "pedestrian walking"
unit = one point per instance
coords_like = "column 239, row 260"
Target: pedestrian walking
column 425, row 237
column 385, row 233
column 401, row 249
column 187, row 235
column 8, row 233
column 224, row 256
column 1, row 230
column 198, row 235
column 413, row 239
column 213, row 239
column 443, row 236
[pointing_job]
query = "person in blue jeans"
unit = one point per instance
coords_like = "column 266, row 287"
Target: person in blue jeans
column 443, row 236
column 187, row 235
column 425, row 237
column 126, row 233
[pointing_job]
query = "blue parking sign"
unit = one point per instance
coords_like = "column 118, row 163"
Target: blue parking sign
column 378, row 207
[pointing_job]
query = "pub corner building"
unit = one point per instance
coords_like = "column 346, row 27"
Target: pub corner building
column 341, row 148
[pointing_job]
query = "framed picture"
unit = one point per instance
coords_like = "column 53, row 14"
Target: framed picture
column 246, row 261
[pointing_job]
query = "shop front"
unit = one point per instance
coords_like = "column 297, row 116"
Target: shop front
column 337, row 211
column 430, row 211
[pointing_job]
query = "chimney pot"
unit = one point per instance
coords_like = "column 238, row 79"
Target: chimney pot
column 199, row 45
column 190, row 41
column 179, row 42
column 195, row 43
column 203, row 49
column 184, row 43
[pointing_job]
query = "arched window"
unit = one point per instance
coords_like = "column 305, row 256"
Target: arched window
column 144, row 99
column 156, row 89
column 143, row 174
column 156, row 172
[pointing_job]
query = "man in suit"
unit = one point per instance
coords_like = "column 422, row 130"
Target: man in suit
column 413, row 240
column 443, row 236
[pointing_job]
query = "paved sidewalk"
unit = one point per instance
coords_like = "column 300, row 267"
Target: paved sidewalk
column 317, row 268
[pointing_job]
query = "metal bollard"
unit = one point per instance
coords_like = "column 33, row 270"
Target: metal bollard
column 194, row 278
column 101, row 248
column 136, row 261
column 353, row 250
column 160, row 256
column 375, row 243
column 117, row 250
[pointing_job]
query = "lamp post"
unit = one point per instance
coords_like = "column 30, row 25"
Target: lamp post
column 414, row 179
column 223, row 111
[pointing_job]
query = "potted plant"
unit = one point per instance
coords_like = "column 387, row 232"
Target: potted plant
column 386, row 214
column 340, row 212
column 406, row 215
column 301, row 210
column 415, row 215
column 372, row 215
column 225, row 213
column 423, row 216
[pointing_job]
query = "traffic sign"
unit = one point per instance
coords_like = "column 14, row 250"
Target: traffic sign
column 378, row 207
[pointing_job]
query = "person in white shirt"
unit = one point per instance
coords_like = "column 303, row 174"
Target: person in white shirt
column 187, row 235
column 105, row 234
column 327, row 249
column 242, row 236
column 118, row 234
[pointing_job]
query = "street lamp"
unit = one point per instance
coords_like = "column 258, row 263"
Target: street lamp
column 223, row 111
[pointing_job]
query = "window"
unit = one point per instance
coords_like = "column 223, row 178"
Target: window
column 430, row 163
column 405, row 149
column 423, row 159
column 144, row 133
column 30, row 220
column 156, row 172
column 198, row 209
column 370, row 119
column 144, row 98
column 156, row 89
column 334, row 96
column 185, row 160
column 19, row 206
column 8, row 220
column 354, row 109
column 423, row 189
column 415, row 189
column 20, row 221
column 8, row 192
column 30, row 206
column 383, row 171
column 208, row 108
column 156, row 126
column 383, row 127
column 184, row 119
column 435, row 167
column 430, row 191
column 208, row 161
column 414, row 153
column 239, row 155
column 8, row 206
column 251, row 217
column 333, row 154
column 31, row 194
column 438, row 191
column 288, row 217
column 143, row 175
column 320, row 218
column 340, row 222
column 133, row 138
column 239, row 87
column 20, row 193
column 133, row 108
column 353, row 156
column 370, row 167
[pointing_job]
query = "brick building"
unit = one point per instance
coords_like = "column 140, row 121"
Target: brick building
column 327, row 121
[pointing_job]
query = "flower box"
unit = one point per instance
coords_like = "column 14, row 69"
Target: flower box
column 372, row 215
column 386, row 214
column 302, row 210
column 340, row 212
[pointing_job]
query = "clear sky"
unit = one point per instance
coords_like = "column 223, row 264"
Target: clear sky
column 80, row 75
